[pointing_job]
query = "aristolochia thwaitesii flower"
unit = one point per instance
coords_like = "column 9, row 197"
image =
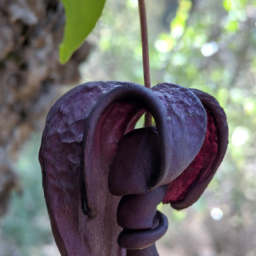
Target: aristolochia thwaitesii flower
column 100, row 175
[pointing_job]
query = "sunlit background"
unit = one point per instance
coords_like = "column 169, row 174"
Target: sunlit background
column 205, row 44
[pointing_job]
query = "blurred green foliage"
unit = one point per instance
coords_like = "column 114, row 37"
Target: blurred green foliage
column 209, row 45
column 27, row 223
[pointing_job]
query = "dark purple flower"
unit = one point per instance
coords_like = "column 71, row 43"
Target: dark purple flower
column 100, row 175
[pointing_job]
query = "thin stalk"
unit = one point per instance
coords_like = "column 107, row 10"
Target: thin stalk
column 144, row 39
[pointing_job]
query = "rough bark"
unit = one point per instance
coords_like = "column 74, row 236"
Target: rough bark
column 30, row 32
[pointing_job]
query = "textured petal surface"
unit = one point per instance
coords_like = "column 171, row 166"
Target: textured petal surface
column 61, row 162
column 186, row 123
column 78, row 146
column 188, row 187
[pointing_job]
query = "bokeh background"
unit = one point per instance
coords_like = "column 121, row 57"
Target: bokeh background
column 205, row 44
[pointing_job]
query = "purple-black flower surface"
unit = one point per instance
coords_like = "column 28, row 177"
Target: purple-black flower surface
column 103, row 179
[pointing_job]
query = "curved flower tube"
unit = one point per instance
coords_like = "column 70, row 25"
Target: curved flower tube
column 91, row 156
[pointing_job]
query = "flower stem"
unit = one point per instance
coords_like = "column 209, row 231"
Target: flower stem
column 144, row 39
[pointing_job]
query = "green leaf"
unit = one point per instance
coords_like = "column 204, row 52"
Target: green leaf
column 81, row 18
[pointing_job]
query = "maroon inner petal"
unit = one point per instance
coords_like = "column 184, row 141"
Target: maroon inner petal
column 198, row 169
